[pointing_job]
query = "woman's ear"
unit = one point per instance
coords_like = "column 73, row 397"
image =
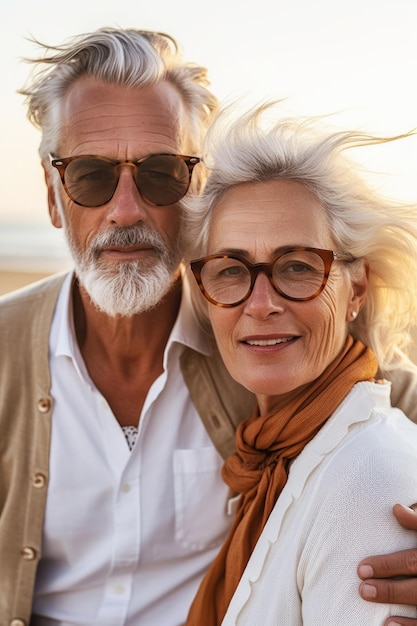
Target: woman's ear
column 52, row 201
column 359, row 289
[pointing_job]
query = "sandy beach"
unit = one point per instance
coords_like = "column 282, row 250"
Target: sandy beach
column 14, row 279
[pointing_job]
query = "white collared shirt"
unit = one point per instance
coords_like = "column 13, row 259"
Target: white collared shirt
column 127, row 535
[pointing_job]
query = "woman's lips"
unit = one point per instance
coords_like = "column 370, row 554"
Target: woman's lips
column 268, row 342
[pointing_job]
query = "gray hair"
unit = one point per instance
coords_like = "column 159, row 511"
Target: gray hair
column 127, row 57
column 362, row 222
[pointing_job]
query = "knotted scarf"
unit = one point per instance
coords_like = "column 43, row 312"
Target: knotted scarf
column 265, row 446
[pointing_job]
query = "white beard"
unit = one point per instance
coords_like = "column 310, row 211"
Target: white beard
column 128, row 287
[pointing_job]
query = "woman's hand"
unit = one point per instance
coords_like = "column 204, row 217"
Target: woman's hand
column 392, row 578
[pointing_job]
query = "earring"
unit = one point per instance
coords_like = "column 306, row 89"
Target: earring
column 353, row 314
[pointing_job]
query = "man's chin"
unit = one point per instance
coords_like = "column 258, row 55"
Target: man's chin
column 121, row 296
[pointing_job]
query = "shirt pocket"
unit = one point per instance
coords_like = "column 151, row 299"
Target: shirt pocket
column 201, row 499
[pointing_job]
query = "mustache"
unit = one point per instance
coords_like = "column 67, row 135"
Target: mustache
column 138, row 234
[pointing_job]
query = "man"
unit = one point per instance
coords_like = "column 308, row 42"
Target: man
column 116, row 408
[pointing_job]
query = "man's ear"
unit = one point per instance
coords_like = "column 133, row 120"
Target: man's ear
column 52, row 200
column 359, row 289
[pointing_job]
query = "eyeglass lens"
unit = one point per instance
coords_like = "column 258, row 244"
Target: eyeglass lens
column 160, row 179
column 296, row 274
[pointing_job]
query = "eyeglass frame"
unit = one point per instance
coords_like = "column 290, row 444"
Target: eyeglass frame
column 327, row 256
column 61, row 164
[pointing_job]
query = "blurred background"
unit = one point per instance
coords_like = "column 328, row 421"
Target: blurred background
column 355, row 59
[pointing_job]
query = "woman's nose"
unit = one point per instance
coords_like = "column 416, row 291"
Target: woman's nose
column 264, row 299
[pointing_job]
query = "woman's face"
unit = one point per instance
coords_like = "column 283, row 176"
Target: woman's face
column 272, row 345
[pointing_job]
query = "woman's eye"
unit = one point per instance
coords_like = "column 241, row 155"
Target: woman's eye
column 298, row 268
column 233, row 270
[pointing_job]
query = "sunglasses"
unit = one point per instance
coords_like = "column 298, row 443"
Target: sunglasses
column 91, row 181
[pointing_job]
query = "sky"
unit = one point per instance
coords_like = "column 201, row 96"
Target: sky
column 355, row 58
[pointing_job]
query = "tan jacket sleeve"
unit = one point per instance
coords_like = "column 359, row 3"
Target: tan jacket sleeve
column 25, row 426
column 404, row 388
column 220, row 401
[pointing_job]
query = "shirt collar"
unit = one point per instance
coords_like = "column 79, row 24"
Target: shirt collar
column 186, row 330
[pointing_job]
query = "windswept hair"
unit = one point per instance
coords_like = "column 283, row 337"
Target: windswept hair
column 127, row 57
column 253, row 148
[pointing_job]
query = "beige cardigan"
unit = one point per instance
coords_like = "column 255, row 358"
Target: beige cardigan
column 25, row 427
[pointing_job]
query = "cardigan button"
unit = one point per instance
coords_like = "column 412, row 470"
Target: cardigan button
column 39, row 480
column 17, row 622
column 44, row 405
column 29, row 554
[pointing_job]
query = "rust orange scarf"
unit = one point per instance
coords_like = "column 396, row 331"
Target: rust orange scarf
column 258, row 470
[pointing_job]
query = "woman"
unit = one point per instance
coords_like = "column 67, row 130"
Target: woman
column 311, row 283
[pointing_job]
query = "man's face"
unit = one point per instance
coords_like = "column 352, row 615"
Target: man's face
column 128, row 242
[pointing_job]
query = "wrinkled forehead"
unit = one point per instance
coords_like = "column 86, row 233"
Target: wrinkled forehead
column 261, row 217
column 94, row 114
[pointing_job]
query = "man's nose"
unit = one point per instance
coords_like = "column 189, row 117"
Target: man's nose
column 127, row 207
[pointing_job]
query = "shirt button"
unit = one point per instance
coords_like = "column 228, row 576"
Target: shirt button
column 29, row 554
column 119, row 590
column 44, row 404
column 126, row 487
column 39, row 480
column 17, row 622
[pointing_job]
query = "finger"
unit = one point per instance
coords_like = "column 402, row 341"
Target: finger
column 406, row 516
column 403, row 563
column 401, row 621
column 390, row 591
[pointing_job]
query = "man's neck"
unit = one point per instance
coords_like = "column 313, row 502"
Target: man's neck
column 124, row 355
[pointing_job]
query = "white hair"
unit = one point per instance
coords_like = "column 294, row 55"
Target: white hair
column 363, row 223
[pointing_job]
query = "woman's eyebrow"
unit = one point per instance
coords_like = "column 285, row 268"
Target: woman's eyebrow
column 232, row 251
column 273, row 253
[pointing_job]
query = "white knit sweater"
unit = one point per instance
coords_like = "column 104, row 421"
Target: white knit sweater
column 335, row 509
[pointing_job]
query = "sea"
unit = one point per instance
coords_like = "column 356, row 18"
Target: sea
column 32, row 247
